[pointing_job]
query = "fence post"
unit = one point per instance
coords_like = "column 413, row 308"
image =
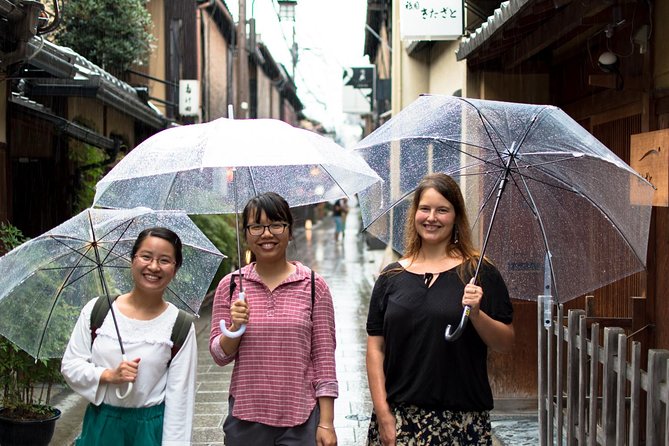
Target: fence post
column 608, row 385
column 621, row 389
column 559, row 372
column 543, row 374
column 572, row 373
column 582, row 376
column 657, row 368
column 635, row 391
column 594, row 389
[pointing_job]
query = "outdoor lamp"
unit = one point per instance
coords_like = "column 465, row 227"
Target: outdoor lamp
column 608, row 62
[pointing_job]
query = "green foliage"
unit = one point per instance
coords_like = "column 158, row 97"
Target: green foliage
column 114, row 34
column 10, row 237
column 89, row 166
column 220, row 229
column 26, row 383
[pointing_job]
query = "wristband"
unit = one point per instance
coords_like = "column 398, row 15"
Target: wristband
column 325, row 427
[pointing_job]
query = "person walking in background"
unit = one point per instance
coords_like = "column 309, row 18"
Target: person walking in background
column 425, row 390
column 339, row 213
column 159, row 410
column 284, row 380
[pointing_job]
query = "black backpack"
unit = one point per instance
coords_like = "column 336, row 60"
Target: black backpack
column 179, row 330
column 233, row 285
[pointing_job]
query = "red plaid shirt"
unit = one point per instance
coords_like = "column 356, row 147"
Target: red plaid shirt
column 286, row 358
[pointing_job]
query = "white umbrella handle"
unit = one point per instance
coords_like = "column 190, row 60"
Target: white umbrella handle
column 120, row 395
column 233, row 334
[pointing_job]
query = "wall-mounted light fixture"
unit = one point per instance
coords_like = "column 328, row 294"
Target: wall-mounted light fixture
column 608, row 62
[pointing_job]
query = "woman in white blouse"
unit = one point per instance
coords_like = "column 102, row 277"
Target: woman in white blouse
column 159, row 409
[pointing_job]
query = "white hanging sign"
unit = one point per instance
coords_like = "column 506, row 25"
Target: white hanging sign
column 189, row 97
column 431, row 19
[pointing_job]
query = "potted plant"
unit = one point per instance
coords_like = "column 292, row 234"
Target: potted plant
column 26, row 416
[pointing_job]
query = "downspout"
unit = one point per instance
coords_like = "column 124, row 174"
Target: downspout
column 200, row 60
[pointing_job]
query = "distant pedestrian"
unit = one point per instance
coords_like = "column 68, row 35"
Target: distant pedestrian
column 284, row 379
column 425, row 390
column 159, row 410
column 339, row 213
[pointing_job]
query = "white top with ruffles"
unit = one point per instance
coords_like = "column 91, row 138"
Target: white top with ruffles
column 149, row 341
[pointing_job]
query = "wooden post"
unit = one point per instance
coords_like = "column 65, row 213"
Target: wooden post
column 621, row 389
column 657, row 369
column 542, row 378
column 608, row 420
column 572, row 373
column 594, row 385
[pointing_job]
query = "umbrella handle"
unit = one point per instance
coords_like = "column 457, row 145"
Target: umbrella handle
column 120, row 395
column 233, row 334
column 450, row 337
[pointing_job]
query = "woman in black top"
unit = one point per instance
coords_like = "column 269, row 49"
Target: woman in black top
column 425, row 390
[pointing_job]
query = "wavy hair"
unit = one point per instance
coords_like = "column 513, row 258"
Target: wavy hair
column 464, row 248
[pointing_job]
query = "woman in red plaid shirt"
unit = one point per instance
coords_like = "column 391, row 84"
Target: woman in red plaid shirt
column 284, row 381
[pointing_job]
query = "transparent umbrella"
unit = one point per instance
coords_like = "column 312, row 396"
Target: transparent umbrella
column 557, row 212
column 45, row 282
column 191, row 168
column 215, row 167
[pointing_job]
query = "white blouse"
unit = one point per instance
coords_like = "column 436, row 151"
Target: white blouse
column 150, row 342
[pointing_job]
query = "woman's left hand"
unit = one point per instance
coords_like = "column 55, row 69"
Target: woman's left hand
column 326, row 437
column 472, row 297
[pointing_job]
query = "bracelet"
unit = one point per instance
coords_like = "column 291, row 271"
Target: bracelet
column 325, row 427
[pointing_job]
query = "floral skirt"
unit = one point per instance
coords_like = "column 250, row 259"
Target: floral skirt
column 421, row 427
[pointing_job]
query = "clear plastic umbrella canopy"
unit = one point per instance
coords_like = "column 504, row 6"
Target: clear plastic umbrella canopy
column 46, row 281
column 559, row 208
column 197, row 168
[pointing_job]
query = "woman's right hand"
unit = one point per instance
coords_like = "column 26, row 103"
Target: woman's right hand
column 126, row 372
column 239, row 314
column 387, row 428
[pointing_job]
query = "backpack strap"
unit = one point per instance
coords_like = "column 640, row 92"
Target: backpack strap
column 233, row 285
column 99, row 313
column 313, row 294
column 180, row 331
column 180, row 328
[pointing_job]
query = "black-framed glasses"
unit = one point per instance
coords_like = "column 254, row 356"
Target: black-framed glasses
column 274, row 228
column 147, row 260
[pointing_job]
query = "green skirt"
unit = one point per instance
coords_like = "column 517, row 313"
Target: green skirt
column 106, row 425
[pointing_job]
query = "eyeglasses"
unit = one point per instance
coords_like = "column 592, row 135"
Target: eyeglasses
column 274, row 228
column 147, row 260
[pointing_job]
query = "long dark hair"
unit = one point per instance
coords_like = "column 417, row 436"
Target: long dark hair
column 449, row 189
column 165, row 234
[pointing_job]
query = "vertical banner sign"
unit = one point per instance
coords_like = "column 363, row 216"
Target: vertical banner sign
column 189, row 98
column 431, row 19
column 358, row 89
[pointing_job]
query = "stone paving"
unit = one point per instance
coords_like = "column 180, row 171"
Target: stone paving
column 349, row 269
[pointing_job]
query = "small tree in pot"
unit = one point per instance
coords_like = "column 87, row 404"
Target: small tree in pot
column 26, row 416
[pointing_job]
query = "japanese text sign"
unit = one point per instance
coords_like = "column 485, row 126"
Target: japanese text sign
column 431, row 19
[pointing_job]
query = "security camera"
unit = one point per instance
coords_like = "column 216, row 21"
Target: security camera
column 608, row 62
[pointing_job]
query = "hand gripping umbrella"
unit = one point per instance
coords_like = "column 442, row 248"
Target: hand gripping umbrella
column 214, row 167
column 45, row 282
column 558, row 212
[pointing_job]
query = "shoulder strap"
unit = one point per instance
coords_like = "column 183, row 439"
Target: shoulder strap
column 313, row 294
column 99, row 313
column 233, row 284
column 180, row 331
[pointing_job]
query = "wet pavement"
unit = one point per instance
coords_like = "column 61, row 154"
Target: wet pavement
column 349, row 268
